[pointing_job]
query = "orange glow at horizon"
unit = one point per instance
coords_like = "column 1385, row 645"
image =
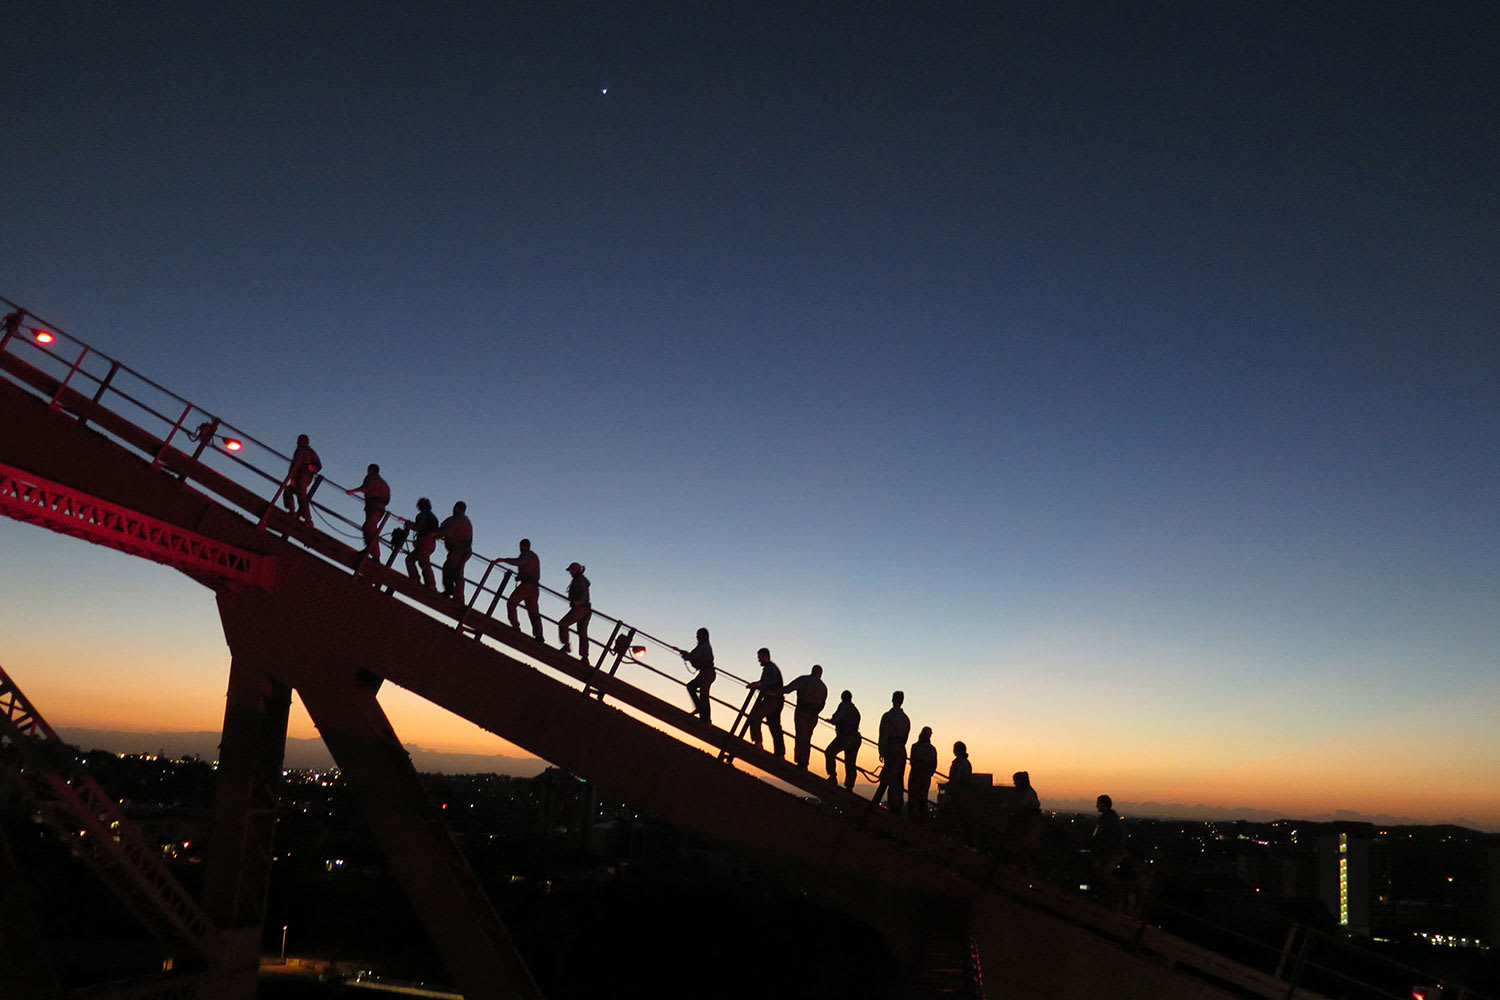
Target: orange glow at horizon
column 138, row 648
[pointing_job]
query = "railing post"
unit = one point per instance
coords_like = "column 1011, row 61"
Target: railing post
column 495, row 601
column 162, row 451
column 109, row 377
column 609, row 644
column 478, row 589
column 204, row 439
column 57, row 396
column 588, row 685
column 620, row 648
column 724, row 754
column 275, row 499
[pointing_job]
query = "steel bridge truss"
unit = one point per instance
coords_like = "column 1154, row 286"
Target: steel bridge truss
column 30, row 498
column 84, row 816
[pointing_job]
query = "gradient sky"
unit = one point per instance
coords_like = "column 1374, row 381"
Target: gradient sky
column 1120, row 380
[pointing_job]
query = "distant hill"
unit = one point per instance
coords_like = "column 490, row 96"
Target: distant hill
column 301, row 754
column 311, row 755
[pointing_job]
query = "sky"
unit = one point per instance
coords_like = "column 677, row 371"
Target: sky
column 1121, row 381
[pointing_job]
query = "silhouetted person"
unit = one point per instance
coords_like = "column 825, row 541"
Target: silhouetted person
column 768, row 703
column 1108, row 847
column 812, row 695
column 527, row 590
column 845, row 741
column 299, row 479
column 420, row 556
column 457, row 533
column 1026, row 821
column 701, row 659
column 919, row 781
column 579, row 612
column 958, row 807
column 377, row 496
column 895, row 728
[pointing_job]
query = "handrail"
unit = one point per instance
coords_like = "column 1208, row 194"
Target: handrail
column 58, row 391
column 108, row 386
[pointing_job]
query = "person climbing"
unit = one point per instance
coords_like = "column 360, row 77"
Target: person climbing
column 958, row 805
column 422, row 547
column 812, row 695
column 377, row 496
column 768, row 703
column 919, row 780
column 845, row 740
column 457, row 533
column 1025, row 822
column 304, row 469
column 701, row 659
column 527, row 589
column 895, row 727
column 579, row 612
column 1108, row 848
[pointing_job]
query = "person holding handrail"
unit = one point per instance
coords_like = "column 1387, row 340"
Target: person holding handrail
column 958, row 804
column 812, row 695
column 1026, row 822
column 420, row 556
column 299, row 479
column 579, row 612
column 846, row 740
column 895, row 727
column 457, row 533
column 377, row 495
column 701, row 659
column 527, row 590
column 919, row 781
column 769, row 703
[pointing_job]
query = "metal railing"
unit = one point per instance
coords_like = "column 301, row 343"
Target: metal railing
column 185, row 439
column 178, row 425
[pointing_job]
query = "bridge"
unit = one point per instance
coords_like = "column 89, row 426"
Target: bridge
column 93, row 449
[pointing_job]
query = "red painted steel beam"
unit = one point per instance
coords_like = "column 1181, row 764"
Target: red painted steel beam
column 68, row 511
column 445, row 893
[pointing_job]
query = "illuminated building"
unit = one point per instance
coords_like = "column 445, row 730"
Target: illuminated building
column 1354, row 880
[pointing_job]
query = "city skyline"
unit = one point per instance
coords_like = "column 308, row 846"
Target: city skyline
column 1119, row 384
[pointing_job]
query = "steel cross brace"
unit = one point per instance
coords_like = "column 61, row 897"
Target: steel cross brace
column 68, row 511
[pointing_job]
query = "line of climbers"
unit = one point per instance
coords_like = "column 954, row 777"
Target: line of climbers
column 457, row 534
column 895, row 729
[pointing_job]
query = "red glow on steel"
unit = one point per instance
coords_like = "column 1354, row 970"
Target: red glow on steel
column 43, row 337
column 230, row 444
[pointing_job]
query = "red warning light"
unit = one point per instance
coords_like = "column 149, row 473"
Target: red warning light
column 230, row 444
column 43, row 337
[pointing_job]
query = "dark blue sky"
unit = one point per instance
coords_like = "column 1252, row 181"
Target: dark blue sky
column 1136, row 364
